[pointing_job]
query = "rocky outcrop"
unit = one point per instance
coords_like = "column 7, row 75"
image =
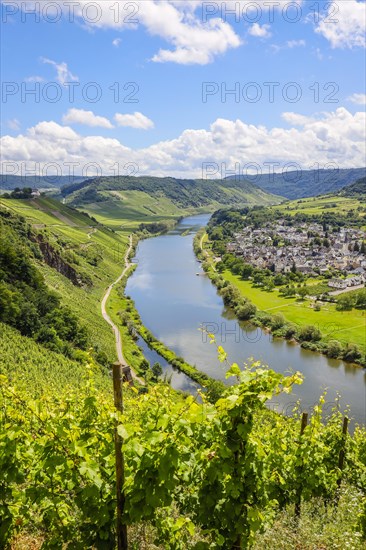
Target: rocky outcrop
column 54, row 260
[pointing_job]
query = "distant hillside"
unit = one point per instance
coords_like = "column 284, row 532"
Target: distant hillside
column 356, row 188
column 9, row 183
column 308, row 183
column 159, row 194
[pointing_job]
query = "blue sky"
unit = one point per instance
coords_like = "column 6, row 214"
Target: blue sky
column 164, row 59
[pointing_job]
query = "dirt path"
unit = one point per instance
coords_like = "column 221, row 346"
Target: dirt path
column 115, row 329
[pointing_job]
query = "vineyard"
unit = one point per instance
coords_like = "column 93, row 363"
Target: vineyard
column 197, row 475
column 210, row 471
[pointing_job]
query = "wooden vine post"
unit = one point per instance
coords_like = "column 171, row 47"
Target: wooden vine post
column 122, row 542
column 304, row 422
column 342, row 453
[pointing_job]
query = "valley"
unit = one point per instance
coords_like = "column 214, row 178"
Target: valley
column 101, row 261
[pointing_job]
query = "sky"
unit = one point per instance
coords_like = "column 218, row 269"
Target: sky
column 182, row 88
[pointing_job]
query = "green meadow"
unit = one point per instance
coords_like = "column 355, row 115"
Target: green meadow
column 319, row 205
column 125, row 211
column 345, row 326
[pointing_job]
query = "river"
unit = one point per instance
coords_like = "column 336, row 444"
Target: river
column 174, row 303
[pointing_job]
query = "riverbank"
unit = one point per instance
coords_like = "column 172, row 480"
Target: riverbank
column 308, row 336
column 123, row 313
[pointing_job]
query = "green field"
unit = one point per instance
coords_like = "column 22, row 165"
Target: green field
column 125, row 211
column 128, row 201
column 345, row 326
column 319, row 205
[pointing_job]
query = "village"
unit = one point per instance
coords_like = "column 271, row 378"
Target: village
column 306, row 247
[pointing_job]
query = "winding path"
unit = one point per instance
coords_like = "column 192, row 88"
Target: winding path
column 115, row 329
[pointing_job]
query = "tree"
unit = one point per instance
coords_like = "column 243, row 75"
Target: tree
column 345, row 302
column 309, row 333
column 246, row 311
column 303, row 292
column 291, row 331
column 269, row 284
column 246, row 271
column 156, row 370
column 352, row 353
column 361, row 299
column 144, row 365
column 220, row 266
column 278, row 321
column 334, row 349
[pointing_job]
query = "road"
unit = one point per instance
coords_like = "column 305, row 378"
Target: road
column 348, row 289
column 115, row 329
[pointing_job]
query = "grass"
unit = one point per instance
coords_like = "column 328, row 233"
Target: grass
column 345, row 326
column 126, row 210
column 319, row 205
column 320, row 527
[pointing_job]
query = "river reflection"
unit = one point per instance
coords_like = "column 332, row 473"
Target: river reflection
column 174, row 302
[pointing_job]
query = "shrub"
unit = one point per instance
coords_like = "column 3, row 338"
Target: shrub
column 309, row 333
column 352, row 353
column 262, row 318
column 144, row 365
column 345, row 302
column 278, row 321
column 246, row 311
column 334, row 349
column 290, row 331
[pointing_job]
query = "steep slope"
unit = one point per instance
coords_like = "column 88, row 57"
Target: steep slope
column 141, row 197
column 358, row 188
column 76, row 256
column 307, row 183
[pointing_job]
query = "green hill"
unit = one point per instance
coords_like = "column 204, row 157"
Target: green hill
column 355, row 189
column 140, row 198
column 9, row 182
column 305, row 183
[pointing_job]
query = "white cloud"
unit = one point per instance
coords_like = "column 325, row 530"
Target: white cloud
column 116, row 42
column 63, row 73
column 88, row 118
column 136, row 120
column 344, row 24
column 290, row 44
column 336, row 137
column 359, row 99
column 179, row 23
column 13, row 124
column 194, row 42
column 260, row 31
column 296, row 119
column 295, row 43
column 319, row 54
column 192, row 36
column 35, row 79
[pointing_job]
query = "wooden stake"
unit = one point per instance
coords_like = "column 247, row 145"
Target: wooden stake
column 304, row 422
column 342, row 452
column 122, row 543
